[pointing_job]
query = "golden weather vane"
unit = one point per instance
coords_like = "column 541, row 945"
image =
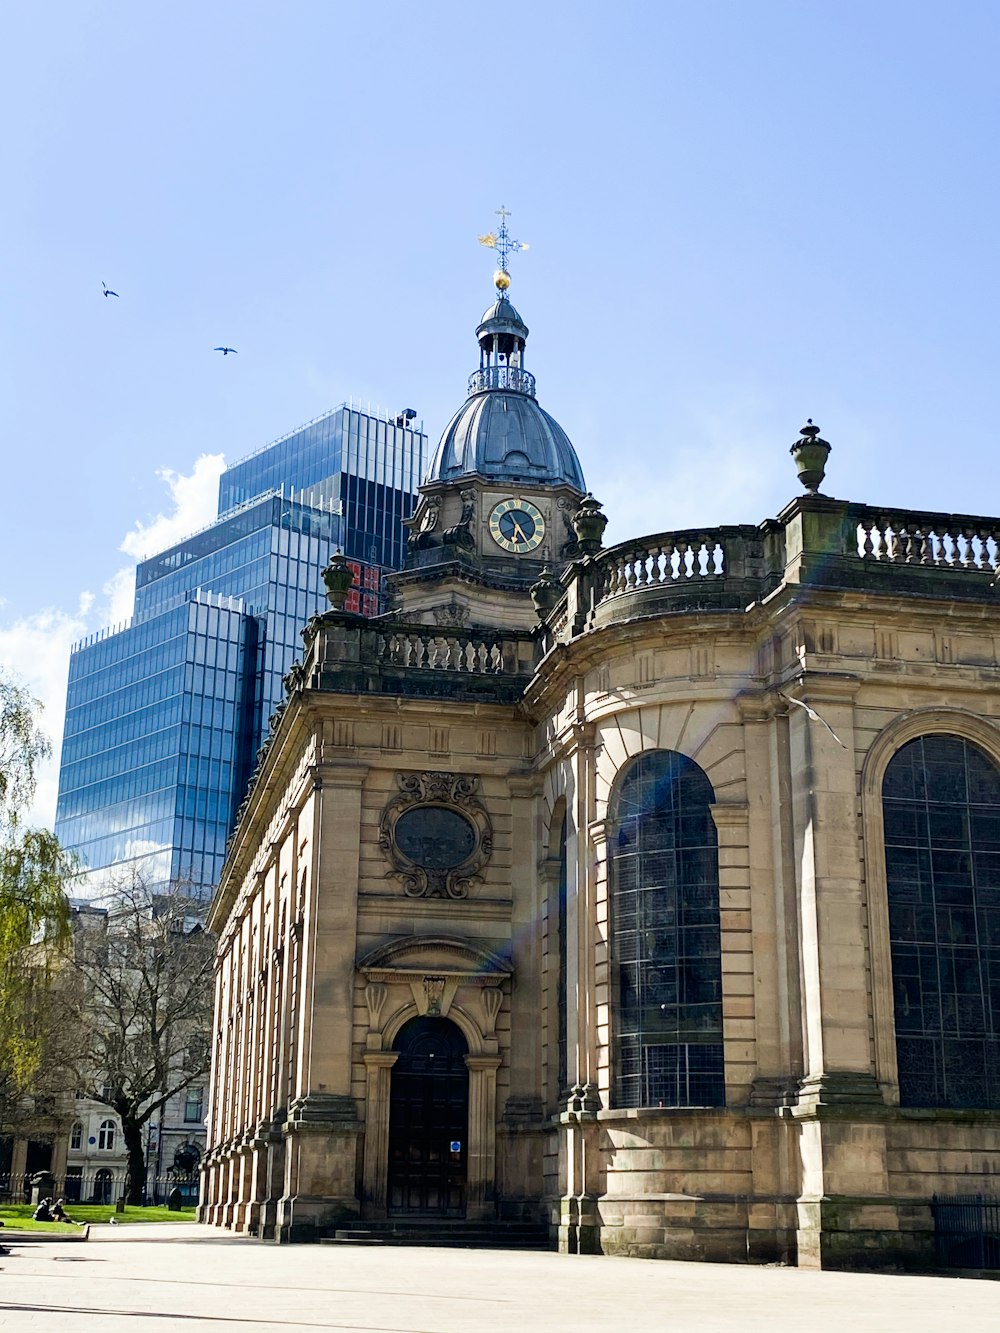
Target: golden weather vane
column 503, row 243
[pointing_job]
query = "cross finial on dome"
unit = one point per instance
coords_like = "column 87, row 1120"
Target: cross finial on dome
column 503, row 243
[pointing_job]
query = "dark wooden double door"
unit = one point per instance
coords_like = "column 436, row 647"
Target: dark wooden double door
column 428, row 1121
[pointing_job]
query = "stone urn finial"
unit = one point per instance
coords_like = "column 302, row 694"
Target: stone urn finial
column 810, row 454
column 546, row 592
column 339, row 579
column 589, row 524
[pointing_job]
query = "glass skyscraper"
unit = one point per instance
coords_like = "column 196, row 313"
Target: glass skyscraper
column 164, row 716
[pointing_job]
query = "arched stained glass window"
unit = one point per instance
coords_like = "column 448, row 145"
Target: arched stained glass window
column 666, row 945
column 941, row 808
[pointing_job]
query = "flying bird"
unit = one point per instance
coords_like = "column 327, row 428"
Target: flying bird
column 812, row 715
column 226, row 350
column 107, row 289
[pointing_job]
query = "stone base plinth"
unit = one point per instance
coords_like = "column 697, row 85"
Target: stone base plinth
column 305, row 1218
column 852, row 1233
column 712, row 1230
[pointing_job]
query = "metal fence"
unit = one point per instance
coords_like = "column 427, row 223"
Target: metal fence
column 103, row 1186
column 967, row 1231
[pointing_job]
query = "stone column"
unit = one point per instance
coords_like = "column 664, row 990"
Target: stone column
column 60, row 1150
column 520, row 1148
column 587, row 979
column 582, row 859
column 228, row 1188
column 331, row 933
column 376, row 1164
column 774, row 1004
column 844, row 1210
column 323, row 1124
column 214, row 1137
column 19, row 1158
column 835, row 1008
column 481, row 1158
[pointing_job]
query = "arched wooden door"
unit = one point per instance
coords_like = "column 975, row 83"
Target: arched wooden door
column 428, row 1120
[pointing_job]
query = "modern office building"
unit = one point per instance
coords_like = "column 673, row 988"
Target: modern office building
column 165, row 714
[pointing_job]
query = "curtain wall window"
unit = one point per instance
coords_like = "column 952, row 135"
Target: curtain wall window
column 941, row 809
column 666, row 945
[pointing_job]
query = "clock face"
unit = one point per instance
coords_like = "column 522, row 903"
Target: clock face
column 517, row 526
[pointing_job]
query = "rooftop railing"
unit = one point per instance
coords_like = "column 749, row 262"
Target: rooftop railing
column 347, row 653
column 817, row 541
column 435, row 648
column 677, row 558
column 502, row 377
column 908, row 537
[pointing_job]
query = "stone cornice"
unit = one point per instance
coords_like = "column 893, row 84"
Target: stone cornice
column 822, row 686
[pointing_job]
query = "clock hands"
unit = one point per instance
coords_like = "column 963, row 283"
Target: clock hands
column 517, row 526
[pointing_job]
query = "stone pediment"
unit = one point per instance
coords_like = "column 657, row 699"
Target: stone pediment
column 443, row 955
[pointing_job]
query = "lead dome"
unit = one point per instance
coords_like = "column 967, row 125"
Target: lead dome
column 500, row 433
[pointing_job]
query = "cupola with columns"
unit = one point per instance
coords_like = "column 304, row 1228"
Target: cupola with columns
column 498, row 502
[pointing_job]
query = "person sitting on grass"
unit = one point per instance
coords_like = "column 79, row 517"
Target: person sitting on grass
column 43, row 1213
column 59, row 1214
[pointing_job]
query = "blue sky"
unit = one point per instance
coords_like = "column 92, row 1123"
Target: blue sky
column 740, row 215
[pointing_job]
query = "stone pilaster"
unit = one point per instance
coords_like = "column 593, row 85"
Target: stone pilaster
column 378, row 1065
column 482, row 1154
column 331, row 934
column 843, row 1209
column 321, row 1135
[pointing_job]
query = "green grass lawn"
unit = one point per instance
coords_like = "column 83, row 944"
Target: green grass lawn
column 17, row 1217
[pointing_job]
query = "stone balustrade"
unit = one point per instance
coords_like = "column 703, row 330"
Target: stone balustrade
column 436, row 648
column 907, row 537
column 675, row 557
column 815, row 541
column 347, row 653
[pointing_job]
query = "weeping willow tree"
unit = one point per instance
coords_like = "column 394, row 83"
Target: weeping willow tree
column 34, row 913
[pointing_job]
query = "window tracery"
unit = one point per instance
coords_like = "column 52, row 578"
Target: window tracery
column 666, row 937
column 941, row 816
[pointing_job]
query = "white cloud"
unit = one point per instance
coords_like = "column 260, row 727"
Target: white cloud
column 36, row 647
column 194, row 496
column 120, row 593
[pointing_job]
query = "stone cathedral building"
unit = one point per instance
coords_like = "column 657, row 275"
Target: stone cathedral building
column 646, row 894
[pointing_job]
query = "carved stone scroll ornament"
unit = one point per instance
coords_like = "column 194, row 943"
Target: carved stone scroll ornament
column 461, row 533
column 452, row 613
column 436, row 834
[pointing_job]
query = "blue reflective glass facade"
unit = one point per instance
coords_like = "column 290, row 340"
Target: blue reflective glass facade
column 165, row 716
column 158, row 741
column 366, row 468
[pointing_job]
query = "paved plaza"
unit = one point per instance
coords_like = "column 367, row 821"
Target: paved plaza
column 171, row 1277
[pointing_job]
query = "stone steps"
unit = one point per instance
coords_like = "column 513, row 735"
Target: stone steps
column 445, row 1233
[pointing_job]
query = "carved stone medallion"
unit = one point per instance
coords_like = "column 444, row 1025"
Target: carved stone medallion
column 436, row 833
